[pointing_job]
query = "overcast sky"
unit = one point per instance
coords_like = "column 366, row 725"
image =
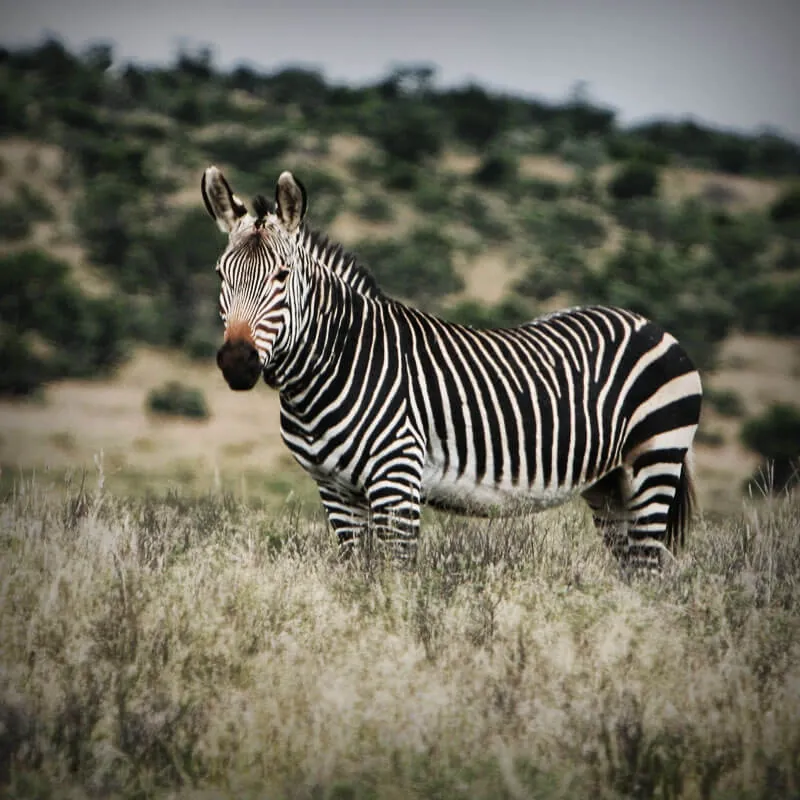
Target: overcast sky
column 729, row 62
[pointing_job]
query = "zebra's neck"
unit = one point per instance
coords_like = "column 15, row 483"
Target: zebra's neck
column 327, row 322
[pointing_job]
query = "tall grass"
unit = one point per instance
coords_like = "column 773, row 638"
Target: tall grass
column 200, row 648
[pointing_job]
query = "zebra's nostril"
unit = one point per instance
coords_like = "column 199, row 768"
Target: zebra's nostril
column 253, row 359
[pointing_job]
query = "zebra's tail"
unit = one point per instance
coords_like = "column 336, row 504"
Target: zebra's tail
column 683, row 506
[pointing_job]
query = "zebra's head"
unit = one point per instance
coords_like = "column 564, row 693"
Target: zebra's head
column 255, row 271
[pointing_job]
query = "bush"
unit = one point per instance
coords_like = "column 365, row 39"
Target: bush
column 17, row 215
column 411, row 133
column 511, row 311
column 36, row 207
column 497, row 168
column 683, row 226
column 110, row 218
column 14, row 222
column 775, row 435
column 770, row 306
column 476, row 213
column 559, row 267
column 374, row 207
column 399, row 176
column 727, row 402
column 87, row 335
column 177, row 400
column 634, row 179
column 22, row 373
column 686, row 295
column 247, row 153
column 538, row 189
column 787, row 207
column 418, row 268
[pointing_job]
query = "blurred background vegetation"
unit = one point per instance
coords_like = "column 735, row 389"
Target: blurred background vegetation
column 484, row 208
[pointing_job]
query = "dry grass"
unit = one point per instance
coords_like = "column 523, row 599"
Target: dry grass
column 201, row 648
column 241, row 436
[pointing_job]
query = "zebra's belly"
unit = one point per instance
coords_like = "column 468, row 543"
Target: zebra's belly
column 465, row 495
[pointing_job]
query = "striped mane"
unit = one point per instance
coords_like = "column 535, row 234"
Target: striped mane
column 340, row 262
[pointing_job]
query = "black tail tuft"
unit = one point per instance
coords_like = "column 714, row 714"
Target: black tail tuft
column 683, row 506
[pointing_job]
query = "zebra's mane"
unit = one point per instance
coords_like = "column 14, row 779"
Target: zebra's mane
column 340, row 262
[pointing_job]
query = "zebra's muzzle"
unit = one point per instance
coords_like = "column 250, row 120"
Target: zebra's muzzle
column 240, row 364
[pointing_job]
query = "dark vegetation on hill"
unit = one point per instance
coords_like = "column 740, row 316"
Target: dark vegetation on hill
column 132, row 137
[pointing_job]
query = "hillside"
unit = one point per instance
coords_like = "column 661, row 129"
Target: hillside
column 486, row 209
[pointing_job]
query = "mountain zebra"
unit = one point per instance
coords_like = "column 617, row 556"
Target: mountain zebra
column 388, row 407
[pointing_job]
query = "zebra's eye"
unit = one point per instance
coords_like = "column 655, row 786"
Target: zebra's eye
column 281, row 274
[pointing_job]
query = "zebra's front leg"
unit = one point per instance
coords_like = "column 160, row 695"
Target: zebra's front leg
column 348, row 515
column 394, row 516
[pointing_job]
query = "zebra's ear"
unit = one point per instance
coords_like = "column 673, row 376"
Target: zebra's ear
column 223, row 205
column 291, row 201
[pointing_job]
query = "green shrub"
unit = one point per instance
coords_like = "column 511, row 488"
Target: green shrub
column 367, row 166
column 561, row 224
column 709, row 438
column 535, row 189
column 787, row 207
column 87, row 335
column 418, row 268
column 476, row 213
column 558, row 267
column 738, row 243
column 177, row 400
column 110, row 217
column 22, row 372
column 687, row 295
column 15, row 224
column 775, row 435
column 634, row 179
column 767, row 305
column 325, row 192
column 374, row 207
column 36, row 207
column 201, row 348
column 400, row 176
column 586, row 154
column 726, row 402
column 511, row 311
column 497, row 168
column 412, row 133
column 787, row 258
column 431, row 197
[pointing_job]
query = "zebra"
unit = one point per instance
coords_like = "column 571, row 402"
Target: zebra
column 388, row 407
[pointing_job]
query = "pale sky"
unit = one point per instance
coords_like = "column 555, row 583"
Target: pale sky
column 733, row 63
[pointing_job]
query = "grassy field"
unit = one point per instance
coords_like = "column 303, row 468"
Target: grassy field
column 201, row 647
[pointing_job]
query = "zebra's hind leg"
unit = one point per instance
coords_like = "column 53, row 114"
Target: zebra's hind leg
column 606, row 502
column 348, row 515
column 657, row 491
